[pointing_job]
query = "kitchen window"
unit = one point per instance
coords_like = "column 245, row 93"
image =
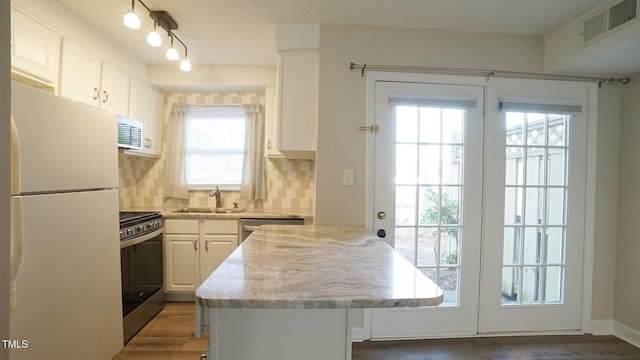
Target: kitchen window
column 215, row 141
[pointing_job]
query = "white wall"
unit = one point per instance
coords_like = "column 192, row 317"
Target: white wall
column 5, row 116
column 627, row 285
column 606, row 211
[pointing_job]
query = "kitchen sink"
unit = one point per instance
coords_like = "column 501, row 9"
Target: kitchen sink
column 194, row 210
column 229, row 210
column 209, row 210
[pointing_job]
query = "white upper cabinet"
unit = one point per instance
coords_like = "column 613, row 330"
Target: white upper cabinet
column 147, row 105
column 297, row 103
column 86, row 78
column 35, row 51
column 114, row 87
column 80, row 74
column 271, row 128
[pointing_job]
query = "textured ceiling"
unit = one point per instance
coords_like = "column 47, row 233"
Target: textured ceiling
column 241, row 32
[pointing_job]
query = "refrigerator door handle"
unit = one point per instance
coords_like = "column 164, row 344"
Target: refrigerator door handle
column 16, row 235
column 15, row 159
column 15, row 256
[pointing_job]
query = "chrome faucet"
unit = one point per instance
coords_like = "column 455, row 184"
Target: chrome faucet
column 216, row 193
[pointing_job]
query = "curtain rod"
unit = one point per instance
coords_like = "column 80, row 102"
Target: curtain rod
column 486, row 73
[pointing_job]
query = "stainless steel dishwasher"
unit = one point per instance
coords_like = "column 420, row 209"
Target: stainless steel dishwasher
column 248, row 225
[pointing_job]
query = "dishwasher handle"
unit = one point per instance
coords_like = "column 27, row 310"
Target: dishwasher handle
column 250, row 228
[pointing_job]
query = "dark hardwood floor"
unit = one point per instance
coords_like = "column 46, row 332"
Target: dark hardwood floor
column 170, row 335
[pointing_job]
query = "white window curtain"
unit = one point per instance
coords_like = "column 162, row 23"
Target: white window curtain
column 253, row 171
column 175, row 166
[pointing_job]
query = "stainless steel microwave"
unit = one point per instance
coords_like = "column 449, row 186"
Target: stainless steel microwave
column 129, row 133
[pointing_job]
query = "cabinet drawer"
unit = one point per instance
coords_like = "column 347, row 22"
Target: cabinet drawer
column 220, row 227
column 181, row 227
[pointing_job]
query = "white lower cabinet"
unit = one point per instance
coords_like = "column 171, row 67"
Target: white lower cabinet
column 194, row 249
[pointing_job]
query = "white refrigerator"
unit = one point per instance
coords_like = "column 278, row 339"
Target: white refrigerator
column 65, row 265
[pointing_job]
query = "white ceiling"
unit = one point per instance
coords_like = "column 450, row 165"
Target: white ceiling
column 241, row 32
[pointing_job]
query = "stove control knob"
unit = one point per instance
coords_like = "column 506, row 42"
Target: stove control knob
column 122, row 234
column 130, row 231
column 140, row 228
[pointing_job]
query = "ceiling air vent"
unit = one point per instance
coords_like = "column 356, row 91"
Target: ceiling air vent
column 595, row 26
column 605, row 21
column 622, row 13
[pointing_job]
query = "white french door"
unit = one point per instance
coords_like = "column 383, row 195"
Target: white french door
column 534, row 234
column 456, row 185
column 428, row 199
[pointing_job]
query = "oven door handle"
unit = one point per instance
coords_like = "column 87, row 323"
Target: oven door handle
column 138, row 240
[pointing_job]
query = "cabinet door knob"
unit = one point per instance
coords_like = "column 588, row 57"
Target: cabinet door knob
column 96, row 93
column 106, row 96
column 206, row 245
column 195, row 245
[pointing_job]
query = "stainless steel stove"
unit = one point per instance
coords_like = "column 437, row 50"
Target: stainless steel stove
column 141, row 263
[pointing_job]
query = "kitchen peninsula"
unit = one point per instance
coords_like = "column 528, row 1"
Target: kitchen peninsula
column 286, row 292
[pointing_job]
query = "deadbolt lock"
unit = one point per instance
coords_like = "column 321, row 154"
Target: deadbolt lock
column 381, row 215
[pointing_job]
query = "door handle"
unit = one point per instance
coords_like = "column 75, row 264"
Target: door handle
column 381, row 233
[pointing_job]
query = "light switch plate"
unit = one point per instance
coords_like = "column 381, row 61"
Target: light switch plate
column 348, row 177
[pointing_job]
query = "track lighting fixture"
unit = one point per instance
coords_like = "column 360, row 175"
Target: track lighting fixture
column 131, row 19
column 153, row 38
column 163, row 20
column 172, row 53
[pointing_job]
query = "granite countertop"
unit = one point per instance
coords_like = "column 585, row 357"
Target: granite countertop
column 304, row 266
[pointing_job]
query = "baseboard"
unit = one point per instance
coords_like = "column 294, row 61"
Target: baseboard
column 601, row 327
column 626, row 333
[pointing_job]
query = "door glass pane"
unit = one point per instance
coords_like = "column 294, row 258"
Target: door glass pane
column 406, row 205
column 406, row 124
column 448, row 281
column 452, row 156
column 535, row 209
column 555, row 206
column 429, row 205
column 511, row 245
column 405, row 242
column 429, row 185
column 530, row 284
column 510, row 284
column 555, row 245
column 427, row 242
column 532, row 245
column 553, row 286
column 429, row 164
column 429, row 125
column 406, row 164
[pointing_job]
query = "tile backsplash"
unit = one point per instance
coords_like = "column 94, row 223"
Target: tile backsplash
column 290, row 183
